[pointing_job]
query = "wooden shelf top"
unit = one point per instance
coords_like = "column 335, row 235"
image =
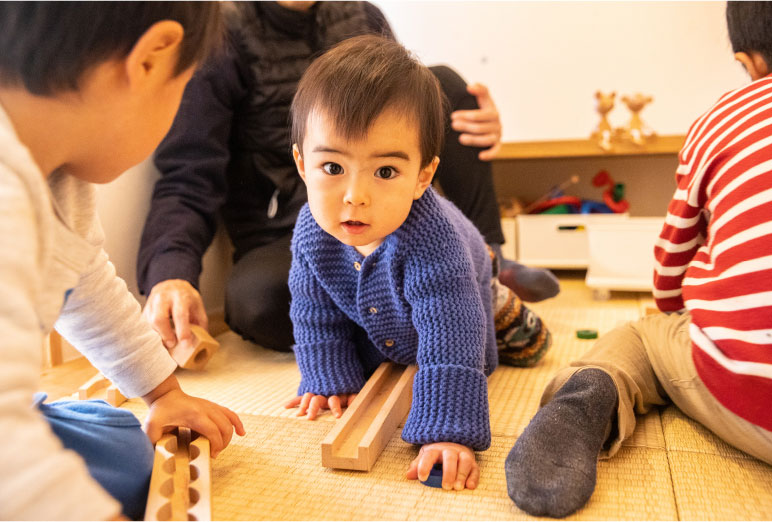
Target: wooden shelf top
column 587, row 148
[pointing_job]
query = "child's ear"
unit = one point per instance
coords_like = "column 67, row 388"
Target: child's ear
column 299, row 161
column 754, row 63
column 425, row 177
column 156, row 52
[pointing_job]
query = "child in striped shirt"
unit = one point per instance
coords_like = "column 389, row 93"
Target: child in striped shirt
column 710, row 354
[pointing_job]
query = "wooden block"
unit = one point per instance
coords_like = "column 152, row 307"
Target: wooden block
column 196, row 358
column 181, row 483
column 366, row 426
column 650, row 310
column 93, row 389
column 114, row 396
column 55, row 357
column 97, row 382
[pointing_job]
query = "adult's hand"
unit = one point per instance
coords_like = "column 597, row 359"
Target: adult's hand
column 172, row 306
column 480, row 127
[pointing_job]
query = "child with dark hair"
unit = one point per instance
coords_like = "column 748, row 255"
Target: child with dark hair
column 710, row 354
column 86, row 91
column 383, row 268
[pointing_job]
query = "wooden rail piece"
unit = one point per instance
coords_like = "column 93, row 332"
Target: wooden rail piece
column 181, row 484
column 366, row 426
column 100, row 387
column 197, row 356
column 95, row 383
column 55, row 357
column 114, row 396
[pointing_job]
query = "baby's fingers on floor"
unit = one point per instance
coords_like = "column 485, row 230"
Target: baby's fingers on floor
column 426, row 463
column 474, row 474
column 317, row 403
column 449, row 467
column 335, row 406
column 293, row 402
column 304, row 402
column 465, row 465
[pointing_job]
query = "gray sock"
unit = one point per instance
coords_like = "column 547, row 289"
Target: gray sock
column 529, row 284
column 551, row 468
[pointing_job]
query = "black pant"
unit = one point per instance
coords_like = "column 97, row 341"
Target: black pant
column 464, row 179
column 257, row 298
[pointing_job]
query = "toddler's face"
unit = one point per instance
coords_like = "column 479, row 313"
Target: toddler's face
column 360, row 191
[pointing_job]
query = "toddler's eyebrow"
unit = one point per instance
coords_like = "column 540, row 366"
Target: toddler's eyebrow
column 390, row 154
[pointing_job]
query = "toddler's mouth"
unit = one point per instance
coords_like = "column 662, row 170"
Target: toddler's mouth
column 354, row 227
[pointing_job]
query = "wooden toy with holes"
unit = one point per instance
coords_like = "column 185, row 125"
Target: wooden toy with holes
column 366, row 426
column 100, row 387
column 195, row 357
column 181, row 484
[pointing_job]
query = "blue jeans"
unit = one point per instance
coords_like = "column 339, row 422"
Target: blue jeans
column 117, row 452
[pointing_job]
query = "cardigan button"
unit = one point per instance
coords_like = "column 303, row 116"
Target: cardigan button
column 373, row 310
column 389, row 343
column 357, row 266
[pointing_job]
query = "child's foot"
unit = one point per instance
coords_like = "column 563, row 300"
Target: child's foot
column 530, row 284
column 551, row 468
column 521, row 336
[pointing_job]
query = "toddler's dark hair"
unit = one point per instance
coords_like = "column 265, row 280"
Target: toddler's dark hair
column 47, row 46
column 355, row 81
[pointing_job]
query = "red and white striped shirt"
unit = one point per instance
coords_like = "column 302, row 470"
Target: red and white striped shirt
column 714, row 254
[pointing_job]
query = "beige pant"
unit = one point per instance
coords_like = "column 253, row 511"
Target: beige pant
column 650, row 361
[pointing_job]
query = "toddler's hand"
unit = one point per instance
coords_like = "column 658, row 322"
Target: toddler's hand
column 170, row 407
column 459, row 466
column 313, row 403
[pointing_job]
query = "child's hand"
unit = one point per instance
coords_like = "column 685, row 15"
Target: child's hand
column 170, row 407
column 313, row 403
column 459, row 466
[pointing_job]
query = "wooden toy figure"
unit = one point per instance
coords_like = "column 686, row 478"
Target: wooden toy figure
column 636, row 131
column 602, row 134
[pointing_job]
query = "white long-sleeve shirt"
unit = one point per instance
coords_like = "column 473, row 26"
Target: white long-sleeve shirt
column 54, row 271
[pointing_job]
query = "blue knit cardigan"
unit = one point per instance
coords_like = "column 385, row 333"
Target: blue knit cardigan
column 423, row 296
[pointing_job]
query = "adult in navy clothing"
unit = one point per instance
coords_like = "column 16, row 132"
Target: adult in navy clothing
column 228, row 155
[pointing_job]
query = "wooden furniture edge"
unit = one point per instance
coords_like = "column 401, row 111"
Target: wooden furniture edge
column 578, row 148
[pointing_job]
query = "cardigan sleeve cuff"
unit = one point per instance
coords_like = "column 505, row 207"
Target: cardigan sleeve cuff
column 329, row 368
column 450, row 404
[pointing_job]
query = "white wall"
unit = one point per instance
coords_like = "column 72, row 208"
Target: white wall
column 543, row 61
column 123, row 206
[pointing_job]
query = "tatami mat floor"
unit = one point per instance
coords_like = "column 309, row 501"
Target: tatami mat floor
column 670, row 469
